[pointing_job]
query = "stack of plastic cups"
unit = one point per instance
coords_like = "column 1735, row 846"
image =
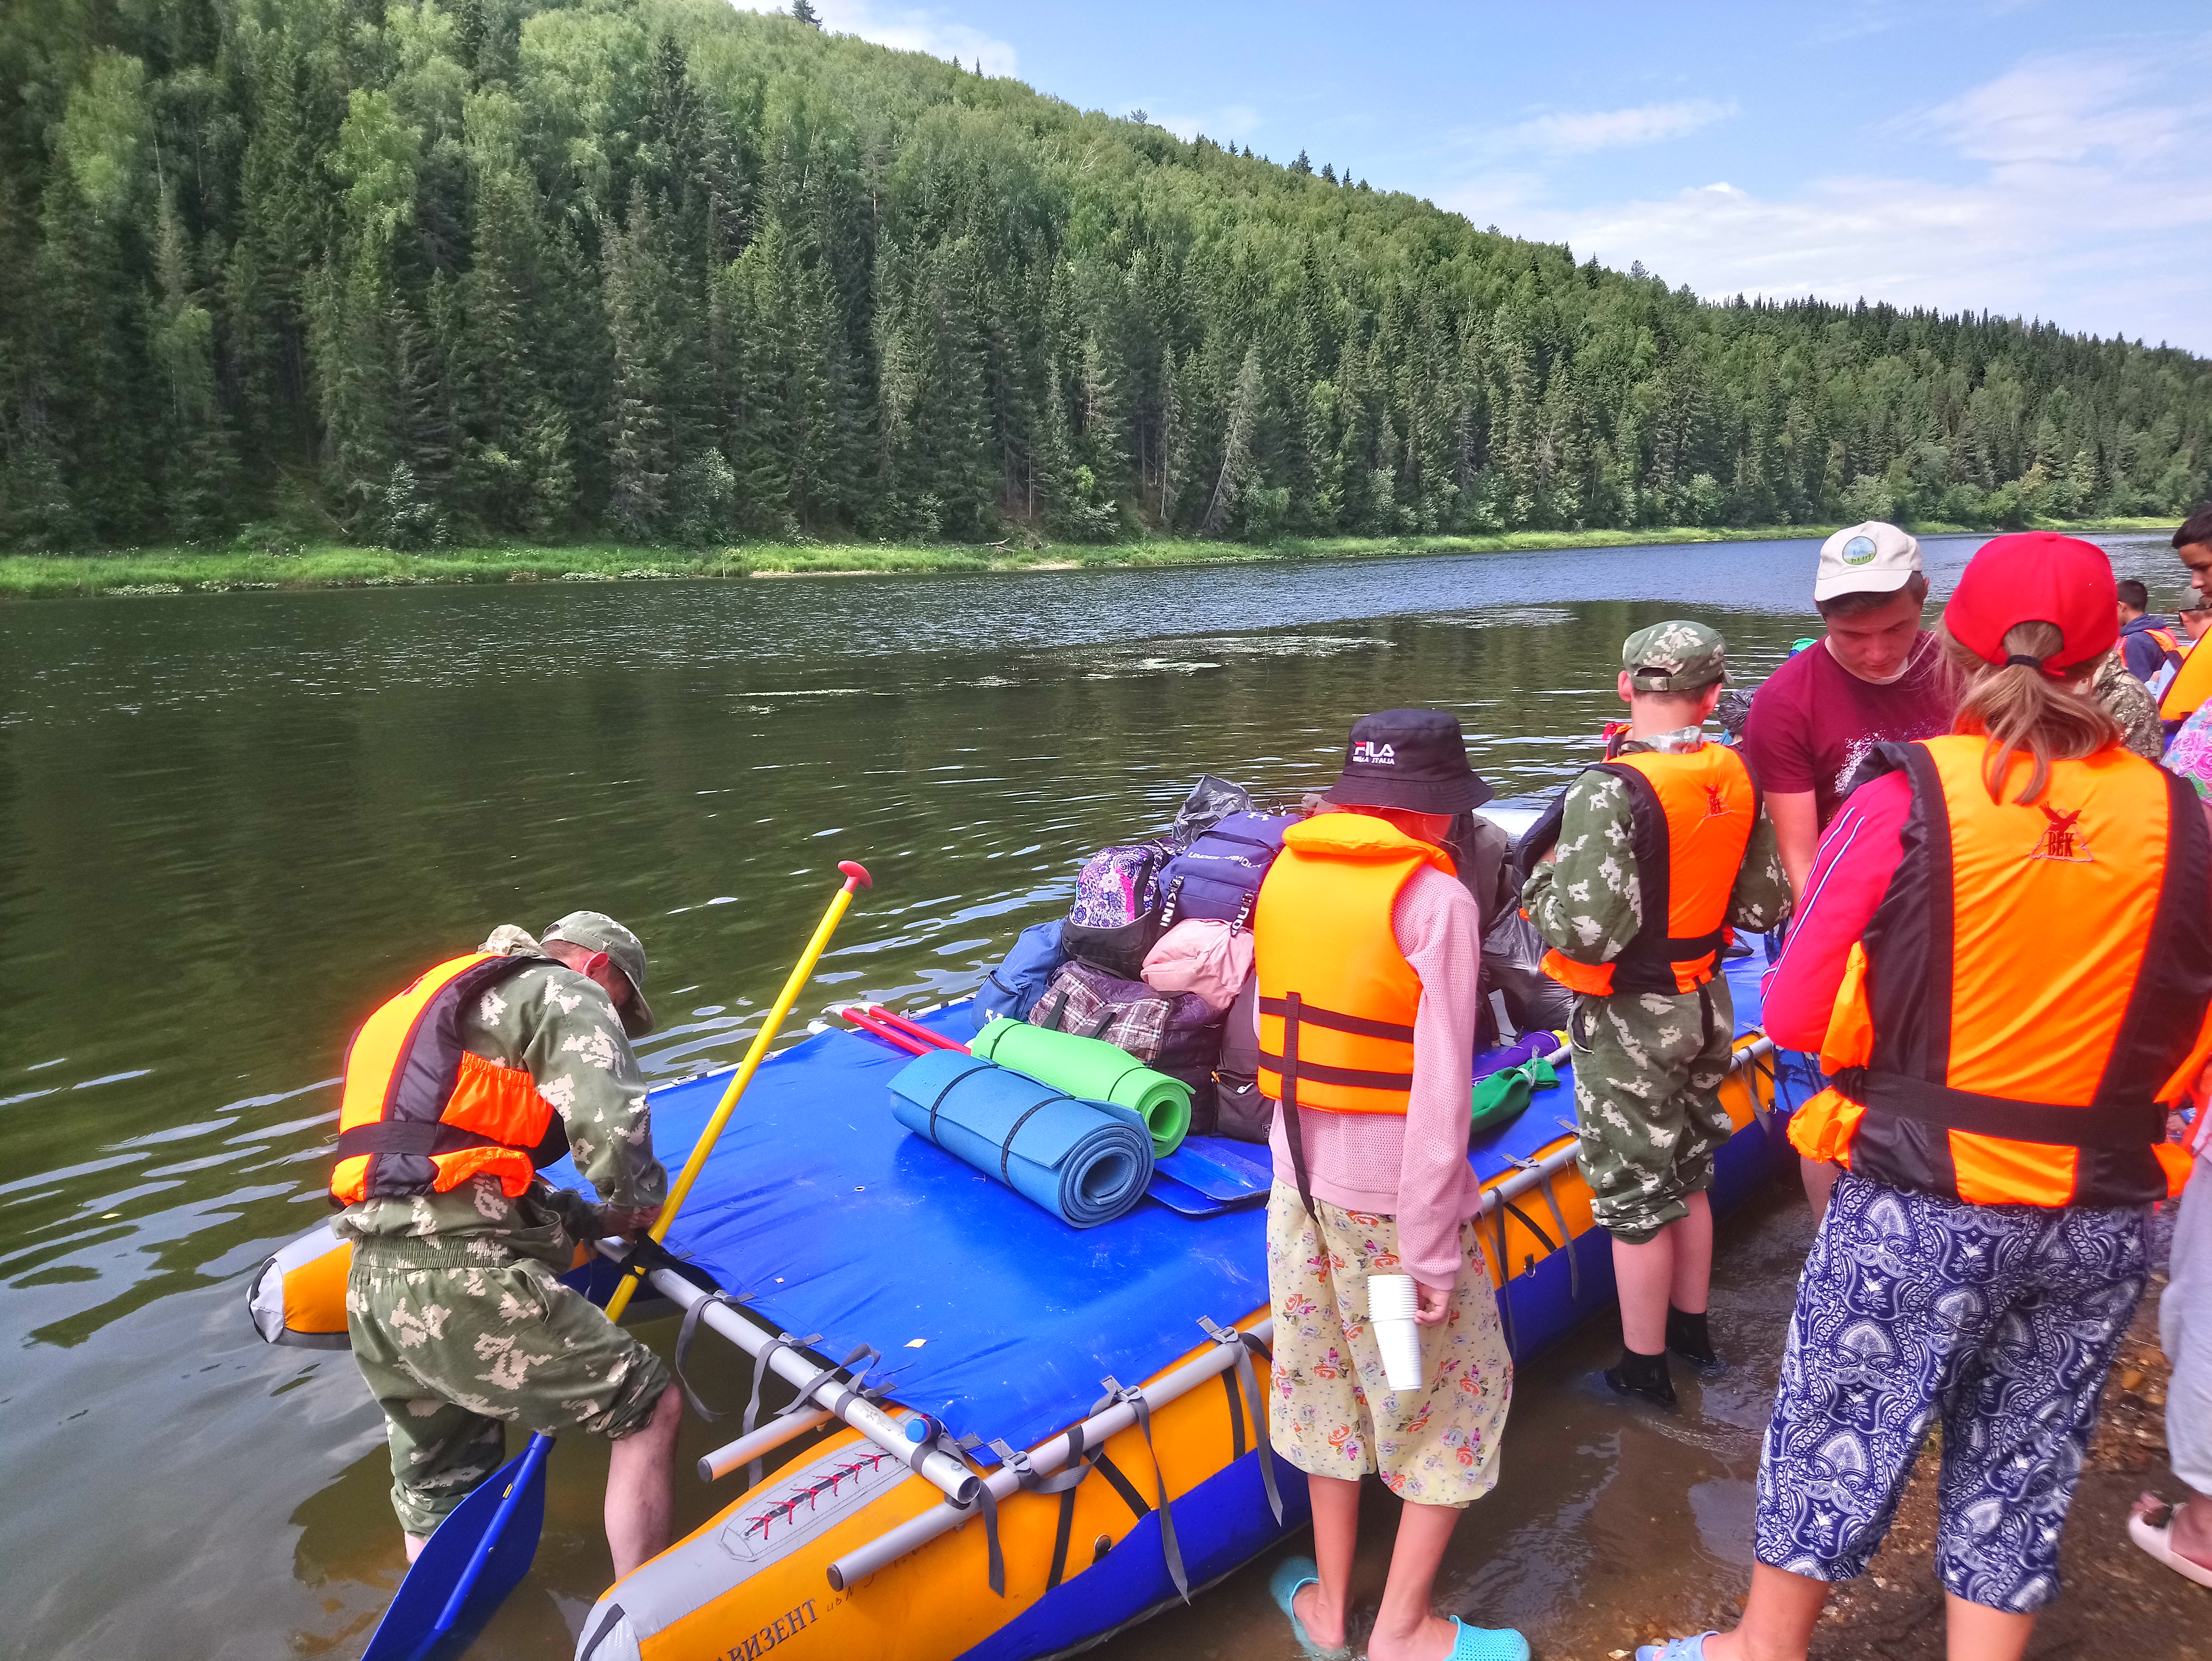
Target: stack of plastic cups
column 1392, row 1300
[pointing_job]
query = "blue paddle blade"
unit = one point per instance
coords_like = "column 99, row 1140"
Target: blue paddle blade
column 411, row 1623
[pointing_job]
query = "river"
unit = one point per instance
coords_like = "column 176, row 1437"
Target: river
column 229, row 825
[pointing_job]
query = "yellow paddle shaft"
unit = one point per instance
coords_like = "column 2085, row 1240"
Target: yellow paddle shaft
column 802, row 971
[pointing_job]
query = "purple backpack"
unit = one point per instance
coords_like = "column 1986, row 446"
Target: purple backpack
column 1116, row 919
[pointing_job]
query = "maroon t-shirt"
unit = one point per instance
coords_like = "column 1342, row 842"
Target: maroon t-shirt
column 1814, row 721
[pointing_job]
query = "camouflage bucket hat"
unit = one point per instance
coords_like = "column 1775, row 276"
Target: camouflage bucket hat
column 1675, row 657
column 595, row 931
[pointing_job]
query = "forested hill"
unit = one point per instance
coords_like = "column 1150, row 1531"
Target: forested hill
column 661, row 270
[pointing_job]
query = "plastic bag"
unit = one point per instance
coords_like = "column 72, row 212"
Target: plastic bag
column 1210, row 801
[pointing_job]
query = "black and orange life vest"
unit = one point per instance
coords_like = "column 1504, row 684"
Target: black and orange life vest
column 1337, row 997
column 2032, row 991
column 1693, row 811
column 419, row 1114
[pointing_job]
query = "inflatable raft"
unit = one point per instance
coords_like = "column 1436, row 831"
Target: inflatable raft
column 1047, row 1434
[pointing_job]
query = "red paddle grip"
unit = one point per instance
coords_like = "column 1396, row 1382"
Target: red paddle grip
column 856, row 875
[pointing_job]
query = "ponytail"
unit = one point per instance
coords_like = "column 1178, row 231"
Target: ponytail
column 2020, row 708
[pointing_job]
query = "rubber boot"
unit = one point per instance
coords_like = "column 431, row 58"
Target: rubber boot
column 1688, row 1338
column 1641, row 1377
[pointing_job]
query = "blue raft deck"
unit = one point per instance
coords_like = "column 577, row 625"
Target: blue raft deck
column 993, row 1315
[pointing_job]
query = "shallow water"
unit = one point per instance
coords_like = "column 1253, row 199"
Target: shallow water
column 229, row 825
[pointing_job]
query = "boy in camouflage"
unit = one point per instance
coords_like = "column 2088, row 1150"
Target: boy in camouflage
column 1647, row 1063
column 458, row 1319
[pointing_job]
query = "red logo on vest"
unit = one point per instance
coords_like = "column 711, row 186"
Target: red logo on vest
column 2059, row 842
column 1716, row 806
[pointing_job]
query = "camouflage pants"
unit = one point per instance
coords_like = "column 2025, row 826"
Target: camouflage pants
column 455, row 1349
column 1647, row 1065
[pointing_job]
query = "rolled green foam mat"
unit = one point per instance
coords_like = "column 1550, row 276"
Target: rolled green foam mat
column 1092, row 1068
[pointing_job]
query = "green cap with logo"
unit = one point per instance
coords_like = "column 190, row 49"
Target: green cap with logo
column 1675, row 657
column 595, row 931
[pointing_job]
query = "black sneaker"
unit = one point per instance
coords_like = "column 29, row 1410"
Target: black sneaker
column 1688, row 1338
column 1658, row 1393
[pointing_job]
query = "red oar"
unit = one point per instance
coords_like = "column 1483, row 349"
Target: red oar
column 915, row 1030
column 891, row 1036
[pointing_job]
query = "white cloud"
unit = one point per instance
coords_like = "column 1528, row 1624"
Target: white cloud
column 2082, row 200
column 908, row 29
column 1230, row 121
column 1576, row 133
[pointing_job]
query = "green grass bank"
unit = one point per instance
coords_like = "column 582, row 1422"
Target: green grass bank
column 142, row 572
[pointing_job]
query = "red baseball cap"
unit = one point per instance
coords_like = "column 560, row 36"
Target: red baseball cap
column 2036, row 577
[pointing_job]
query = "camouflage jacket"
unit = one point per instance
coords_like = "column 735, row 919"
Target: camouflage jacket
column 2129, row 702
column 563, row 1028
column 1589, row 905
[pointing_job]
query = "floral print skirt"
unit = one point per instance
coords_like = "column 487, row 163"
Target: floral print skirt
column 1333, row 1412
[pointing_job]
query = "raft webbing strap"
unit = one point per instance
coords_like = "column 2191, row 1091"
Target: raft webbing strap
column 746, row 1425
column 1504, row 1279
column 1169, row 1547
column 1064, row 1529
column 1246, row 1347
column 996, row 1571
column 688, row 1331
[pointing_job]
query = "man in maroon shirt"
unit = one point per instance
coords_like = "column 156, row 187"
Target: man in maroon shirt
column 1876, row 678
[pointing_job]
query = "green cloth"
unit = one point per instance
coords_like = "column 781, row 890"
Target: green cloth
column 1093, row 1069
column 1501, row 1098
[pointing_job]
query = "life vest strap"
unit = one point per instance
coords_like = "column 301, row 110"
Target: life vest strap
column 1308, row 1015
column 1354, row 1078
column 2103, row 1125
column 1650, row 967
column 427, row 1139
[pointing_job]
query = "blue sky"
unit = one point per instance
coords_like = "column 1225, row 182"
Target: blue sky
column 2029, row 156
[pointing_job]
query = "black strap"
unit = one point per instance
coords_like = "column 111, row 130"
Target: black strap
column 1169, row 1547
column 1505, row 1281
column 1649, row 966
column 423, row 1137
column 938, row 1101
column 1293, row 1131
column 2113, row 1125
column 1311, row 1016
column 1243, row 1373
column 1357, row 1078
column 1064, row 1531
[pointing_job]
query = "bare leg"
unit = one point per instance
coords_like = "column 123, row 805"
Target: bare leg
column 1405, row 1628
column 1820, row 1183
column 1778, row 1621
column 1692, row 1284
column 1978, row 1634
column 415, row 1544
column 1642, row 1277
column 640, row 1486
column 1322, row 1610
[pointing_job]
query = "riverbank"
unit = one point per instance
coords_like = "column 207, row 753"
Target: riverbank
column 139, row 572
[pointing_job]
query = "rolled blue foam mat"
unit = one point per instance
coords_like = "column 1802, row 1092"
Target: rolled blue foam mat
column 1086, row 1162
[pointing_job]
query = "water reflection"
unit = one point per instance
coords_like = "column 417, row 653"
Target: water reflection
column 232, row 824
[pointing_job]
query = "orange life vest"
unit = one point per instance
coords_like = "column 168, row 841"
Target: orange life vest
column 1694, row 814
column 1337, row 997
column 2033, row 988
column 2169, row 645
column 2191, row 686
column 420, row 1115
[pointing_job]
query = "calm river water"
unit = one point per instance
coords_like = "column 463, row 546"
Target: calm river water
column 229, row 825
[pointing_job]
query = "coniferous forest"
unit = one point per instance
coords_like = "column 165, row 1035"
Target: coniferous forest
column 660, row 270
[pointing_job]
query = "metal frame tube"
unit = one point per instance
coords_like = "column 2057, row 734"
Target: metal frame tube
column 784, row 1427
column 835, row 1394
column 894, row 1543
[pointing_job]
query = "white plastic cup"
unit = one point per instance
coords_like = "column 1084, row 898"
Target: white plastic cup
column 1392, row 1301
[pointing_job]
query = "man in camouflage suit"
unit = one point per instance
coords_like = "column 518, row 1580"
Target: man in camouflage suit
column 457, row 1316
column 1648, row 1064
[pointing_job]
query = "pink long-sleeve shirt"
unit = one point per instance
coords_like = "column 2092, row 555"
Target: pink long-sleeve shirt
column 1413, row 1169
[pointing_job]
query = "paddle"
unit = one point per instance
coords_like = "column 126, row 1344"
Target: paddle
column 485, row 1545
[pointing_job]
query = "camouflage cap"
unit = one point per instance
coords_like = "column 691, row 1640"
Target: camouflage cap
column 595, row 931
column 1675, row 657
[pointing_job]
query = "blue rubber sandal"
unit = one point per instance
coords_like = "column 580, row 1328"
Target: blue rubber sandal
column 1288, row 1577
column 1676, row 1649
column 1487, row 1643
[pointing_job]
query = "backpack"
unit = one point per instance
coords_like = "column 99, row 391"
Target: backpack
column 1240, row 1109
column 1166, row 1031
column 1013, row 988
column 1115, row 918
column 1218, row 876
